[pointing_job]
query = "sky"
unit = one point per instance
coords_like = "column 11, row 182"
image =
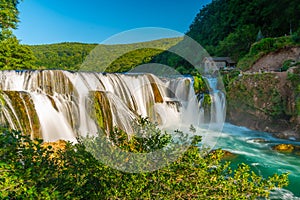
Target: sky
column 94, row 21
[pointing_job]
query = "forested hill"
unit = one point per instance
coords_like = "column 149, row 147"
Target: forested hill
column 229, row 27
column 70, row 56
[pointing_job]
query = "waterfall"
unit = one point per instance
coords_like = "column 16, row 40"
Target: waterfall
column 55, row 104
column 218, row 103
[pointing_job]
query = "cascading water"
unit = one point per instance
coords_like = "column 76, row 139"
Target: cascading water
column 63, row 105
column 217, row 101
column 67, row 105
column 245, row 144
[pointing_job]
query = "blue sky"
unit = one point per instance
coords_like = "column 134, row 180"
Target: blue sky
column 93, row 21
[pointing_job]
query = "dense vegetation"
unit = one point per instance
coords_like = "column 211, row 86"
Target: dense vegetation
column 265, row 46
column 109, row 58
column 67, row 56
column 13, row 55
column 228, row 28
column 30, row 169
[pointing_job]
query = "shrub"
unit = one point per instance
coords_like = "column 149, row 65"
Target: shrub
column 28, row 172
column 296, row 37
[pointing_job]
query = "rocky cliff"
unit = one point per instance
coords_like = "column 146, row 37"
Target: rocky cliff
column 267, row 101
column 274, row 61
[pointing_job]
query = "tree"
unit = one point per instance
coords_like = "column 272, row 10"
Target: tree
column 236, row 44
column 13, row 55
column 218, row 20
column 9, row 14
column 30, row 169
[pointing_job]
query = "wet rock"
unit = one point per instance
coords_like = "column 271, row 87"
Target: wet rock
column 259, row 140
column 287, row 148
column 287, row 135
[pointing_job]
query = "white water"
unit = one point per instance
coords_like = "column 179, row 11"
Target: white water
column 218, row 102
column 262, row 158
column 63, row 100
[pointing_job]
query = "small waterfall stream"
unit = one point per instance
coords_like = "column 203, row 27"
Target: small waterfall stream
column 218, row 101
column 246, row 145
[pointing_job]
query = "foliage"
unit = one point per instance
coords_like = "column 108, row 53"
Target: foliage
column 185, row 57
column 259, row 36
column 147, row 137
column 295, row 80
column 235, row 43
column 67, row 56
column 296, row 36
column 28, row 171
column 223, row 27
column 13, row 55
column 93, row 57
column 200, row 86
column 229, row 77
column 175, row 61
column 9, row 14
column 25, row 167
column 286, row 65
column 133, row 59
column 262, row 48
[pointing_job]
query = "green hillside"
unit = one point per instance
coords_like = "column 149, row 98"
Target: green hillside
column 93, row 57
column 229, row 28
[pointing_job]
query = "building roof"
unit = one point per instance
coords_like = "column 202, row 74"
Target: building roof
column 221, row 59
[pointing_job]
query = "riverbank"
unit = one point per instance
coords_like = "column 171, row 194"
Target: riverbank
column 256, row 149
column 266, row 95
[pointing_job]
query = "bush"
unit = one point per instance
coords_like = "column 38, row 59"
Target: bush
column 28, row 171
column 286, row 65
column 262, row 48
column 296, row 37
column 13, row 55
column 266, row 44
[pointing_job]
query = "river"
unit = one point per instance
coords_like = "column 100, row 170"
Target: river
column 255, row 149
column 62, row 105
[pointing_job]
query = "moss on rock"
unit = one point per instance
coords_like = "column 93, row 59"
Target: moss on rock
column 286, row 148
column 157, row 95
column 260, row 101
column 199, row 84
column 20, row 111
column 100, row 110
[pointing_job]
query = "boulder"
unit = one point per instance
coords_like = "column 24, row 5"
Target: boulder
column 288, row 148
column 259, row 140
